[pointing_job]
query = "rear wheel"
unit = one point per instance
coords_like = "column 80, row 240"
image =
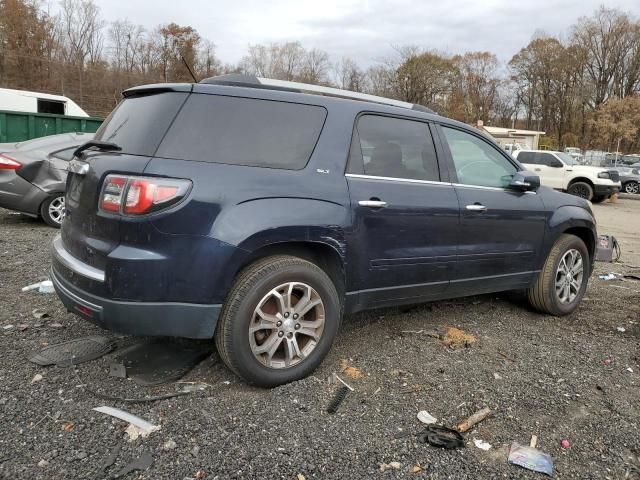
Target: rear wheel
column 52, row 210
column 562, row 282
column 279, row 321
column 581, row 189
column 631, row 187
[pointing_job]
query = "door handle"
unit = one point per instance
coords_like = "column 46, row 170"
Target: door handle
column 538, row 169
column 372, row 203
column 476, row 207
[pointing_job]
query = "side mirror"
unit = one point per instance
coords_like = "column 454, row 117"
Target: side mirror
column 525, row 182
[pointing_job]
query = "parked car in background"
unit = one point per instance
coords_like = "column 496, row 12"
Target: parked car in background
column 575, row 153
column 630, row 179
column 560, row 171
column 251, row 211
column 36, row 102
column 33, row 175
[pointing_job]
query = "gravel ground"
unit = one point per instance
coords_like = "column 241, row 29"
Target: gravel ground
column 573, row 378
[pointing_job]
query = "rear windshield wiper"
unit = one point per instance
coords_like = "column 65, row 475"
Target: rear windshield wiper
column 104, row 146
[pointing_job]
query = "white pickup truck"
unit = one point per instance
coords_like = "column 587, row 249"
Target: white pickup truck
column 560, row 170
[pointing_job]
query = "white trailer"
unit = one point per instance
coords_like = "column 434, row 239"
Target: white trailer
column 35, row 102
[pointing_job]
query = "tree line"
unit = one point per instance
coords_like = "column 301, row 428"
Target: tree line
column 582, row 89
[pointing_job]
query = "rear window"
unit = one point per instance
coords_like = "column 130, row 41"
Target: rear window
column 243, row 131
column 138, row 124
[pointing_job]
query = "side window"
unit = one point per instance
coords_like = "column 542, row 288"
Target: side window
column 397, row 148
column 50, row 106
column 527, row 157
column 476, row 162
column 549, row 160
column 66, row 154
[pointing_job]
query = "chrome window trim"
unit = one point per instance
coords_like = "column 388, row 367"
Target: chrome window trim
column 73, row 263
column 395, row 179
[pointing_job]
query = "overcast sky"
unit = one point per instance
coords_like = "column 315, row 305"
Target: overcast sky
column 365, row 30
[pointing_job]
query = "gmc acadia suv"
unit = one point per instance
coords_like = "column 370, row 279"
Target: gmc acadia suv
column 245, row 210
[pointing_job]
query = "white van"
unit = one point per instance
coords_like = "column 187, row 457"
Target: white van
column 34, row 102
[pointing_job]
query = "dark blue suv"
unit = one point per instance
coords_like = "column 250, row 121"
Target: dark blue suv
column 259, row 212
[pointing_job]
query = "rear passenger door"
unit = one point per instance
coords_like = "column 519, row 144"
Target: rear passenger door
column 501, row 230
column 405, row 213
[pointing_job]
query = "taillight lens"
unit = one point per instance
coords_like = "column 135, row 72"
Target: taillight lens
column 141, row 195
column 8, row 163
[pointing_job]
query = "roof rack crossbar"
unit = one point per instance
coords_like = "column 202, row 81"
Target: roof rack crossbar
column 271, row 83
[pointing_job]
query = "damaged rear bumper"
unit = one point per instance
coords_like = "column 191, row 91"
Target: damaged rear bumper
column 188, row 320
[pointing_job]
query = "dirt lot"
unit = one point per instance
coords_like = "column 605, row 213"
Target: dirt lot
column 573, row 378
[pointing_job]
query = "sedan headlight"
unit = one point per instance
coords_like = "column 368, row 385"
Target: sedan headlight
column 604, row 175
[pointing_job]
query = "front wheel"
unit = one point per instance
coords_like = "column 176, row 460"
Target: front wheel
column 581, row 189
column 631, row 187
column 52, row 210
column 278, row 321
column 562, row 281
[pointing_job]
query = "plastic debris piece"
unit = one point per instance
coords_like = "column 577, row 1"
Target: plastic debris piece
column 629, row 369
column 469, row 422
column 42, row 287
column 610, row 276
column 426, row 417
column 391, row 465
column 621, row 329
column 36, row 378
column 442, row 437
column 534, row 441
column 73, row 352
column 530, row 458
column 39, row 313
column 113, row 456
column 142, row 428
column 481, row 444
column 565, row 444
column 142, row 463
column 417, row 468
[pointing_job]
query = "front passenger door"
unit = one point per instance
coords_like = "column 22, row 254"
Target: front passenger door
column 501, row 230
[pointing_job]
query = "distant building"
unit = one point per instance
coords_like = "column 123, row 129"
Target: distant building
column 527, row 139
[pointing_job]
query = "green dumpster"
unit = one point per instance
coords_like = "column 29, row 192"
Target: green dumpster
column 20, row 126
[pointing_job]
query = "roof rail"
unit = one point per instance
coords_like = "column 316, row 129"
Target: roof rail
column 239, row 80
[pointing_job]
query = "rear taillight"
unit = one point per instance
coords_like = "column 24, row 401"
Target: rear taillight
column 141, row 195
column 8, row 163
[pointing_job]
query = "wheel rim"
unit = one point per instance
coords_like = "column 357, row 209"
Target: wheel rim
column 580, row 191
column 569, row 276
column 56, row 209
column 287, row 325
column 631, row 187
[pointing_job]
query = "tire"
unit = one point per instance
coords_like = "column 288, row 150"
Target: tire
column 52, row 210
column 631, row 187
column 581, row 189
column 257, row 282
column 544, row 295
column 598, row 199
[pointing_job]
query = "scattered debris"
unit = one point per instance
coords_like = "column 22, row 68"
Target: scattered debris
column 201, row 475
column 137, row 428
column 300, row 477
column 442, row 437
column 56, row 325
column 621, row 329
column 497, row 376
column 565, row 444
column 417, row 468
column 427, row 418
column 113, row 456
column 43, row 463
column 68, row 426
column 350, row 371
column 629, row 369
column 169, row 445
column 141, row 463
column 481, row 444
column 42, row 287
column 534, row 441
column 607, row 361
column 73, row 352
column 7, row 327
column 192, row 387
column 611, row 276
column 469, row 422
column 389, row 466
column 455, row 338
column 530, row 458
column 23, row 326
column 36, row 378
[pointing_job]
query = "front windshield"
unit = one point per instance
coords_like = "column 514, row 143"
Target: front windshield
column 568, row 159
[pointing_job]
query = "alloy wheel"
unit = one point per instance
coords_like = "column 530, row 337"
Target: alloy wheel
column 287, row 325
column 56, row 209
column 580, row 191
column 632, row 187
column 569, row 276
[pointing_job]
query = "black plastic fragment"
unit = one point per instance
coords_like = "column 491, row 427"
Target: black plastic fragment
column 442, row 437
column 142, row 463
column 113, row 456
column 73, row 352
column 338, row 398
column 162, row 360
